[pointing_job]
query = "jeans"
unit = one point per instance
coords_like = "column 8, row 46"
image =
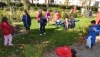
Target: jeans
column 58, row 23
column 42, row 29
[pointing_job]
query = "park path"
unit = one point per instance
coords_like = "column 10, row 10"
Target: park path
column 81, row 50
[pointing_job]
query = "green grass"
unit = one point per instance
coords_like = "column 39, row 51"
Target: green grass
column 33, row 45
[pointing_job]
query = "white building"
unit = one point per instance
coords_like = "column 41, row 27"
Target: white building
column 75, row 2
column 38, row 1
column 59, row 2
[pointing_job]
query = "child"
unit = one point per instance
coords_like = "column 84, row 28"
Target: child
column 93, row 31
column 27, row 21
column 66, row 23
column 72, row 22
column 57, row 16
column 58, row 22
column 6, row 30
column 65, row 52
column 57, row 19
column 48, row 16
column 43, row 23
column 39, row 15
column 98, row 16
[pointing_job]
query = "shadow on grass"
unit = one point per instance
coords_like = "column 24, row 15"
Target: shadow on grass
column 26, row 44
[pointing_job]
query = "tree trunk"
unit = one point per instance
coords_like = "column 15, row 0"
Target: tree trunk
column 32, row 1
column 67, row 2
column 47, row 3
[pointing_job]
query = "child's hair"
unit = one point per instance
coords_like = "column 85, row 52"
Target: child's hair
column 73, row 52
column 67, row 16
column 25, row 11
column 93, row 22
column 4, row 19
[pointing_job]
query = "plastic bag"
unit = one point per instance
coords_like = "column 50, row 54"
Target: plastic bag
column 88, row 42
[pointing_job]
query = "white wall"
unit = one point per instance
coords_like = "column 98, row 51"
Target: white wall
column 39, row 1
column 75, row 2
column 59, row 1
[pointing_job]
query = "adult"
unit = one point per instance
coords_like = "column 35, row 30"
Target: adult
column 89, row 13
column 74, row 9
column 98, row 17
column 82, row 11
column 26, row 21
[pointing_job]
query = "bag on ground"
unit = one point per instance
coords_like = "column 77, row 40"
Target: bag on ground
column 88, row 42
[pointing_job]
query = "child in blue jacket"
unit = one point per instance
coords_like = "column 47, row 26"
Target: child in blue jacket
column 93, row 31
column 26, row 21
column 72, row 22
column 43, row 23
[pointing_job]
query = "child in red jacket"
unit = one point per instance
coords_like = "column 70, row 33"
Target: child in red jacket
column 6, row 30
column 38, row 17
column 65, row 51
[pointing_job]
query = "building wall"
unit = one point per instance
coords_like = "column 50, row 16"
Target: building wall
column 41, row 1
column 59, row 2
column 75, row 2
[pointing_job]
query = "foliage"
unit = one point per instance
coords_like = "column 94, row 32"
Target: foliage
column 26, row 4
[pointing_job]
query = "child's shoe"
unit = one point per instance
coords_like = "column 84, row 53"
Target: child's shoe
column 44, row 33
column 40, row 34
column 10, row 44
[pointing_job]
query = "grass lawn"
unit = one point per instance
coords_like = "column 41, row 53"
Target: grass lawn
column 33, row 45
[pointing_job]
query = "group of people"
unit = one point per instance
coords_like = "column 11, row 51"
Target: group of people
column 42, row 22
column 67, row 23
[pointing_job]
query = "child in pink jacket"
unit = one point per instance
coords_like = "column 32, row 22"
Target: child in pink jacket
column 48, row 16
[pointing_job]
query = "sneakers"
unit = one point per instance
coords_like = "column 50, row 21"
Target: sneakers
column 10, row 44
column 40, row 34
column 44, row 33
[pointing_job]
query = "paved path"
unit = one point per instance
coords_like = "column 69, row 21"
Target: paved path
column 81, row 50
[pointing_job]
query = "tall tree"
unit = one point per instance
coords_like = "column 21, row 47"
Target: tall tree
column 66, row 2
column 47, row 3
column 32, row 1
column 7, row 2
column 26, row 4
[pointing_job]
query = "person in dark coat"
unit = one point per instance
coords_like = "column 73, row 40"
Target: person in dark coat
column 72, row 22
column 26, row 21
column 43, row 23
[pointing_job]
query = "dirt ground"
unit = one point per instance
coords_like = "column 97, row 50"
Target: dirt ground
column 81, row 50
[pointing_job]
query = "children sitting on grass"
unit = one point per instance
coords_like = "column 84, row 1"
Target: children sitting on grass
column 65, row 51
column 91, row 37
column 58, row 22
